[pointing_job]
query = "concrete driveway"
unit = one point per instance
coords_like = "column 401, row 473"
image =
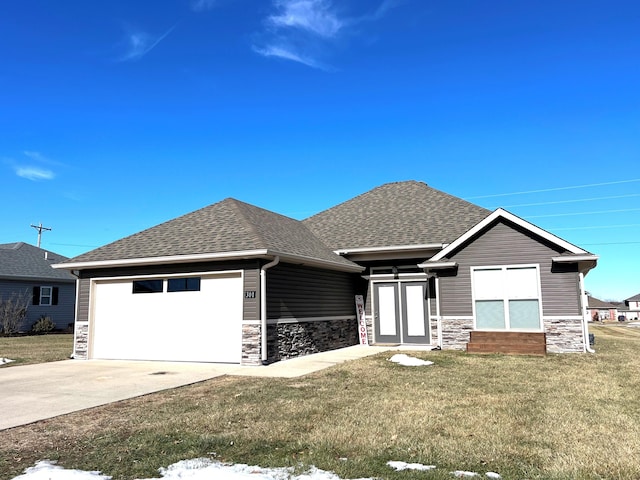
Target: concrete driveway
column 36, row 392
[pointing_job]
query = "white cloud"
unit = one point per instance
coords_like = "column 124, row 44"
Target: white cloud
column 312, row 26
column 314, row 16
column 288, row 53
column 37, row 156
column 34, row 173
column 203, row 5
column 139, row 43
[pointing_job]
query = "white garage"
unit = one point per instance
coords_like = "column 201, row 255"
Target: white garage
column 195, row 318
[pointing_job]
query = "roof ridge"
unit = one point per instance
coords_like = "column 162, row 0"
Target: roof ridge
column 241, row 208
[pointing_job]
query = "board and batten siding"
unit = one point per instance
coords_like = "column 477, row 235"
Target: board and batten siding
column 506, row 244
column 302, row 292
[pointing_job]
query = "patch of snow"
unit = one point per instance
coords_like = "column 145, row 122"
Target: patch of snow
column 45, row 470
column 408, row 361
column 409, row 466
column 464, row 473
column 493, row 475
column 5, row 360
column 195, row 469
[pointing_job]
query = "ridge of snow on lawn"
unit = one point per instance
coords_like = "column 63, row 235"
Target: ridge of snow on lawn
column 5, row 360
column 205, row 469
column 408, row 361
column 196, row 469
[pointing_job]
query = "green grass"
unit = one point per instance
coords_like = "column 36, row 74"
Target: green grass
column 558, row 417
column 36, row 348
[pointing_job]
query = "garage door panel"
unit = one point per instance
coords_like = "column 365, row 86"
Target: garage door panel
column 204, row 325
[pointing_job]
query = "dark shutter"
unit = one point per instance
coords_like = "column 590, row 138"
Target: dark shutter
column 36, row 296
column 54, row 300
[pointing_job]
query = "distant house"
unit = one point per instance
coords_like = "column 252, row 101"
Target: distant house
column 236, row 283
column 26, row 270
column 633, row 306
column 600, row 311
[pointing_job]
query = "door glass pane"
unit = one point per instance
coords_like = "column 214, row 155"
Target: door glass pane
column 387, row 310
column 490, row 314
column 415, row 310
column 524, row 314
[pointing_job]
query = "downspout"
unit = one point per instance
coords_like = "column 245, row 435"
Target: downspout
column 263, row 305
column 75, row 311
column 585, row 320
column 439, row 321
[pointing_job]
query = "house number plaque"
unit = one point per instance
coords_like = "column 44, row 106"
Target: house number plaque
column 250, row 294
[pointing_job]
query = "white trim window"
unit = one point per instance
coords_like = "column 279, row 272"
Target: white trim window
column 46, row 296
column 507, row 297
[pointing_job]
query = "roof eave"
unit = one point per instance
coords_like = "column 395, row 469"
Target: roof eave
column 204, row 257
column 314, row 262
column 390, row 248
column 429, row 265
column 22, row 278
column 585, row 262
column 171, row 259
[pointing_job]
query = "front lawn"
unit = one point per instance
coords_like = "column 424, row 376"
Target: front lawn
column 569, row 416
column 36, row 348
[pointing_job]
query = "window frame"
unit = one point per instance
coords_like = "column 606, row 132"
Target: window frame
column 143, row 280
column 505, row 297
column 187, row 286
column 49, row 296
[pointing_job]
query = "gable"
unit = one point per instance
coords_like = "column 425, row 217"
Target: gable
column 504, row 243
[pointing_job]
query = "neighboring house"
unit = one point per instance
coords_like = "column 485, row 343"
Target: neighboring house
column 432, row 268
column 26, row 270
column 599, row 310
column 633, row 305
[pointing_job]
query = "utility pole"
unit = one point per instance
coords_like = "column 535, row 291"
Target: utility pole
column 40, row 228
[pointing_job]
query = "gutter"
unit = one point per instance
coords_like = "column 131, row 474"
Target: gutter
column 263, row 306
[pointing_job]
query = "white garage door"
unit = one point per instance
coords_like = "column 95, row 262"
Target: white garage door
column 196, row 319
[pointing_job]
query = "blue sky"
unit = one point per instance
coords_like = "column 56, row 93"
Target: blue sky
column 116, row 116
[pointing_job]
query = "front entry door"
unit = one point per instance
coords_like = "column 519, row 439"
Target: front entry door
column 401, row 312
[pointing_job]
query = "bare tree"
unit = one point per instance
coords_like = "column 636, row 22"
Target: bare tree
column 13, row 312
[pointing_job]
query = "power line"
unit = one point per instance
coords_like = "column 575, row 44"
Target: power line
column 584, row 213
column 572, row 201
column 618, row 182
column 611, row 243
column 593, row 227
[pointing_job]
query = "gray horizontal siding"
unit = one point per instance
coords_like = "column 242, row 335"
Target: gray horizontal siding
column 301, row 292
column 61, row 314
column 506, row 244
column 251, row 306
column 82, row 313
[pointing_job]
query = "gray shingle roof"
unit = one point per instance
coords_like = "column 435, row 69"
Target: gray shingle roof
column 593, row 302
column 23, row 261
column 226, row 226
column 401, row 213
column 635, row 298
